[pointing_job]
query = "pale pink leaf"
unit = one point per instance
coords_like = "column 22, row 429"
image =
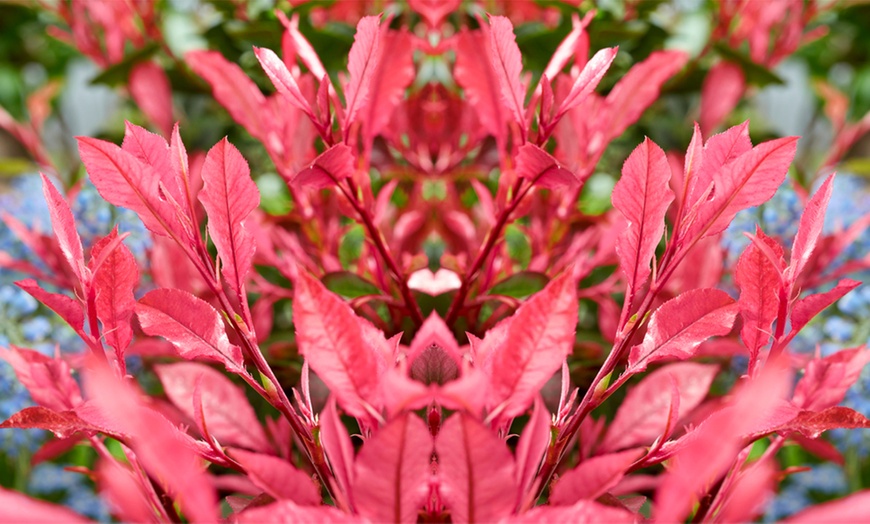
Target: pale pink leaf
column 392, row 471
column 721, row 91
column 153, row 150
column 587, row 80
column 539, row 167
column 362, row 64
column 854, row 508
column 149, row 86
column 593, row 477
column 64, row 227
column 394, row 74
column 539, row 338
column 331, row 340
column 642, row 195
column 277, row 477
column 283, row 80
column 679, row 325
column 434, row 284
column 17, row 507
column 228, row 415
column 476, row 472
column 644, row 413
column 228, row 196
column 583, row 512
column 809, row 230
column 114, row 283
column 192, row 325
column 287, row 511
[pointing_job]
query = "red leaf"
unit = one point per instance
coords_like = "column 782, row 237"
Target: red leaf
column 17, row 507
column 283, row 80
column 434, row 355
column 749, row 180
column 149, row 86
column 539, row 337
column 192, row 325
column 392, row 471
column 64, row 227
column 808, row 307
column 854, row 508
column 826, row 380
column 394, row 74
column 228, row 196
column 532, row 447
column 228, row 415
column 114, row 282
column 125, row 181
column 362, row 63
column 434, row 11
column 719, row 150
column 811, row 424
column 120, row 488
column 721, row 91
column 233, row 89
column 476, row 471
column 287, row 511
column 152, row 150
column 331, row 167
column 478, row 79
column 642, row 196
column 277, row 477
column 679, row 325
column 331, row 340
column 809, row 231
column 539, row 167
column 338, row 449
column 587, row 80
column 643, row 415
column 62, row 423
column 507, row 62
column 583, row 512
column 69, row 309
column 757, row 278
column 593, row 477
column 49, row 380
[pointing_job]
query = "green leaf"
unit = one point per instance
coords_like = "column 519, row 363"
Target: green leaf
column 120, row 72
column 11, row 167
column 349, row 285
column 755, row 74
column 520, row 285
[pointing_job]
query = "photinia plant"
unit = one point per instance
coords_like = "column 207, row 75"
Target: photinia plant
column 435, row 387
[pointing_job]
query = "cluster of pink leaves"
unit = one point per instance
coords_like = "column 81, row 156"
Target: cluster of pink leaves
column 435, row 415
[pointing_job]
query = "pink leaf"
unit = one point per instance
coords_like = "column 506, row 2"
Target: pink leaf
column 120, row 488
column 150, row 88
column 277, row 477
column 719, row 150
column 192, row 325
column 338, row 448
column 287, row 511
column 362, row 63
column 233, row 89
column 539, row 167
column 642, row 196
column 62, row 423
column 48, row 380
column 854, row 508
column 812, row 424
column 679, row 325
column 125, row 181
column 507, row 62
column 64, row 227
column 539, row 338
column 593, row 477
column 17, row 507
column 644, row 413
column 532, row 447
column 70, row 310
column 330, row 338
column 434, row 11
column 810, row 229
column 749, row 180
column 478, row 79
column 721, row 91
column 114, row 283
column 476, row 471
column 757, row 277
column 152, row 150
column 228, row 415
column 808, row 307
column 587, row 81
column 228, row 196
column 283, row 80
column 434, row 355
column 392, row 471
column 331, row 167
column 395, row 72
column 583, row 512
column 826, row 380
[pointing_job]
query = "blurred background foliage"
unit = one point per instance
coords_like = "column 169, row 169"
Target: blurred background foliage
column 82, row 97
